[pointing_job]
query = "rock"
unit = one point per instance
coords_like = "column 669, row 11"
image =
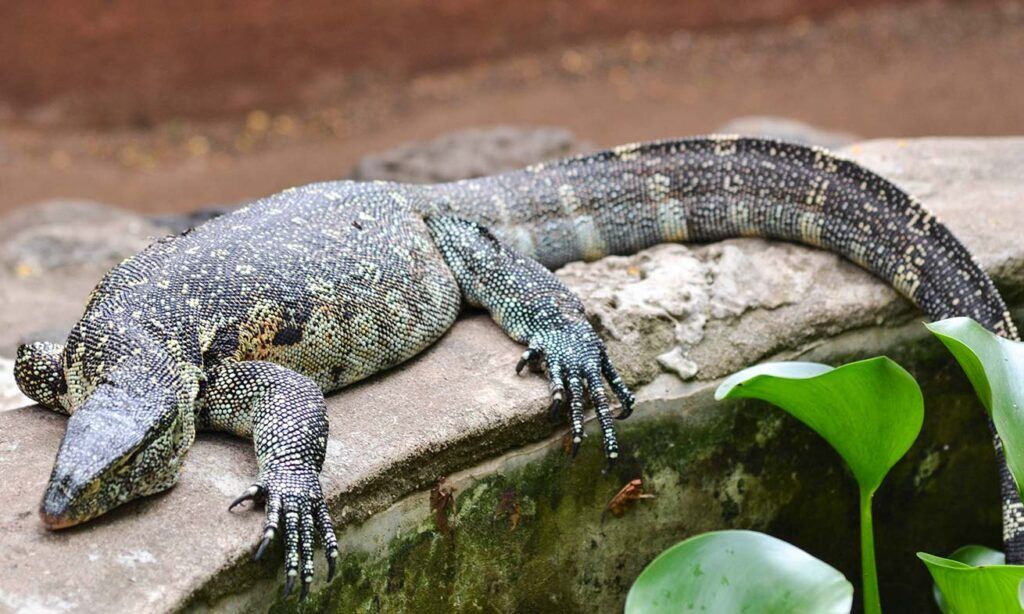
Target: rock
column 455, row 155
column 528, row 527
column 177, row 223
column 51, row 256
column 787, row 130
column 656, row 308
column 63, row 234
column 10, row 395
column 469, row 153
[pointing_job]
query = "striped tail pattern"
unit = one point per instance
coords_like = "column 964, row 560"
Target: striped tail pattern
column 705, row 189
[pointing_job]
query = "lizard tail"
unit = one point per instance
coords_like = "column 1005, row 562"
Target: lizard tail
column 705, row 189
column 708, row 189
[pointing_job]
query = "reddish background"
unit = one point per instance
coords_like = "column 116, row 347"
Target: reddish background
column 125, row 61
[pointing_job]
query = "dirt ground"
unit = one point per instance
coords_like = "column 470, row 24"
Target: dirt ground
column 936, row 68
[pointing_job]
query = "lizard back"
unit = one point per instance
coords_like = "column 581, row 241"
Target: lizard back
column 336, row 280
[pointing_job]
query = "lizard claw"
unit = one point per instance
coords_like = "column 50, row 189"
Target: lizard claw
column 263, row 545
column 251, row 494
column 530, row 357
column 294, row 498
column 332, row 562
column 556, row 406
column 577, row 360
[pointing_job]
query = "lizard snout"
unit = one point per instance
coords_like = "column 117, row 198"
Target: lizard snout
column 55, row 508
column 120, row 445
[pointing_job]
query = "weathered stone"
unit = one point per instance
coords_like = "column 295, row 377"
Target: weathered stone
column 10, row 396
column 787, row 130
column 469, row 153
column 704, row 311
column 62, row 234
column 177, row 223
column 51, row 256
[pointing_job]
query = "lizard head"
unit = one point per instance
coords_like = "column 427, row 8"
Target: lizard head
column 122, row 443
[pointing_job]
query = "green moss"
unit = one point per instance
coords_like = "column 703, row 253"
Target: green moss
column 536, row 538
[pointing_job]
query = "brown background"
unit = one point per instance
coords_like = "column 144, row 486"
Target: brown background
column 171, row 106
column 116, row 61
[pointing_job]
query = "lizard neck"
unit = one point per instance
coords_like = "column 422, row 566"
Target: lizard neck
column 136, row 357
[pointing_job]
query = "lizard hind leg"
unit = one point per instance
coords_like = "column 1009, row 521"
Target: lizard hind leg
column 39, row 373
column 534, row 307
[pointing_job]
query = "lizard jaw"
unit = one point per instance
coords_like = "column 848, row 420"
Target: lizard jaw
column 55, row 523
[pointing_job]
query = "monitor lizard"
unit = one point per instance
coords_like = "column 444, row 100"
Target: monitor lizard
column 245, row 322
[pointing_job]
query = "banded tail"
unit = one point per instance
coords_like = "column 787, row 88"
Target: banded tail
column 705, row 189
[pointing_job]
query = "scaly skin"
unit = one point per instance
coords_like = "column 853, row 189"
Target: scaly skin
column 243, row 323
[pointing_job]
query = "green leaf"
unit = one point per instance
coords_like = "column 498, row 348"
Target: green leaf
column 966, row 589
column 974, row 556
column 869, row 411
column 995, row 367
column 738, row 571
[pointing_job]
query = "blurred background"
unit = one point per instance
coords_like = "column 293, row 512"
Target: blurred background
column 163, row 110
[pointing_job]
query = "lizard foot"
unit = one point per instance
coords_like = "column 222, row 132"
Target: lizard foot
column 294, row 495
column 576, row 357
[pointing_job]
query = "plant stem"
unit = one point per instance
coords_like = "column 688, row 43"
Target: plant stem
column 872, row 602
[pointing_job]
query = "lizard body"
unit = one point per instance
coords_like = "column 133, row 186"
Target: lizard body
column 243, row 323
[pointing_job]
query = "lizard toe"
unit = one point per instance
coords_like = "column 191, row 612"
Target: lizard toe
column 291, row 544
column 577, row 362
column 324, row 526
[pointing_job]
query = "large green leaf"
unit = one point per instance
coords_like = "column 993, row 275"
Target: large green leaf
column 966, row 589
column 870, row 411
column 975, row 556
column 738, row 571
column 995, row 367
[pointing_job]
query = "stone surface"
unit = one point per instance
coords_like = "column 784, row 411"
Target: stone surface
column 176, row 223
column 787, row 130
column 51, row 256
column 65, row 234
column 469, row 153
column 676, row 318
column 10, row 396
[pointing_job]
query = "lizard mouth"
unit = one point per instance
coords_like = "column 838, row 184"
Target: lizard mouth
column 55, row 523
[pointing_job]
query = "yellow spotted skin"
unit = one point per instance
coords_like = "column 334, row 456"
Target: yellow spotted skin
column 244, row 322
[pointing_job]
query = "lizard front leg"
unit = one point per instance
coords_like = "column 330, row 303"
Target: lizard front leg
column 285, row 414
column 535, row 308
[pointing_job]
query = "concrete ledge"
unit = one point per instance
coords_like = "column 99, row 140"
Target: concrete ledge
column 676, row 318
